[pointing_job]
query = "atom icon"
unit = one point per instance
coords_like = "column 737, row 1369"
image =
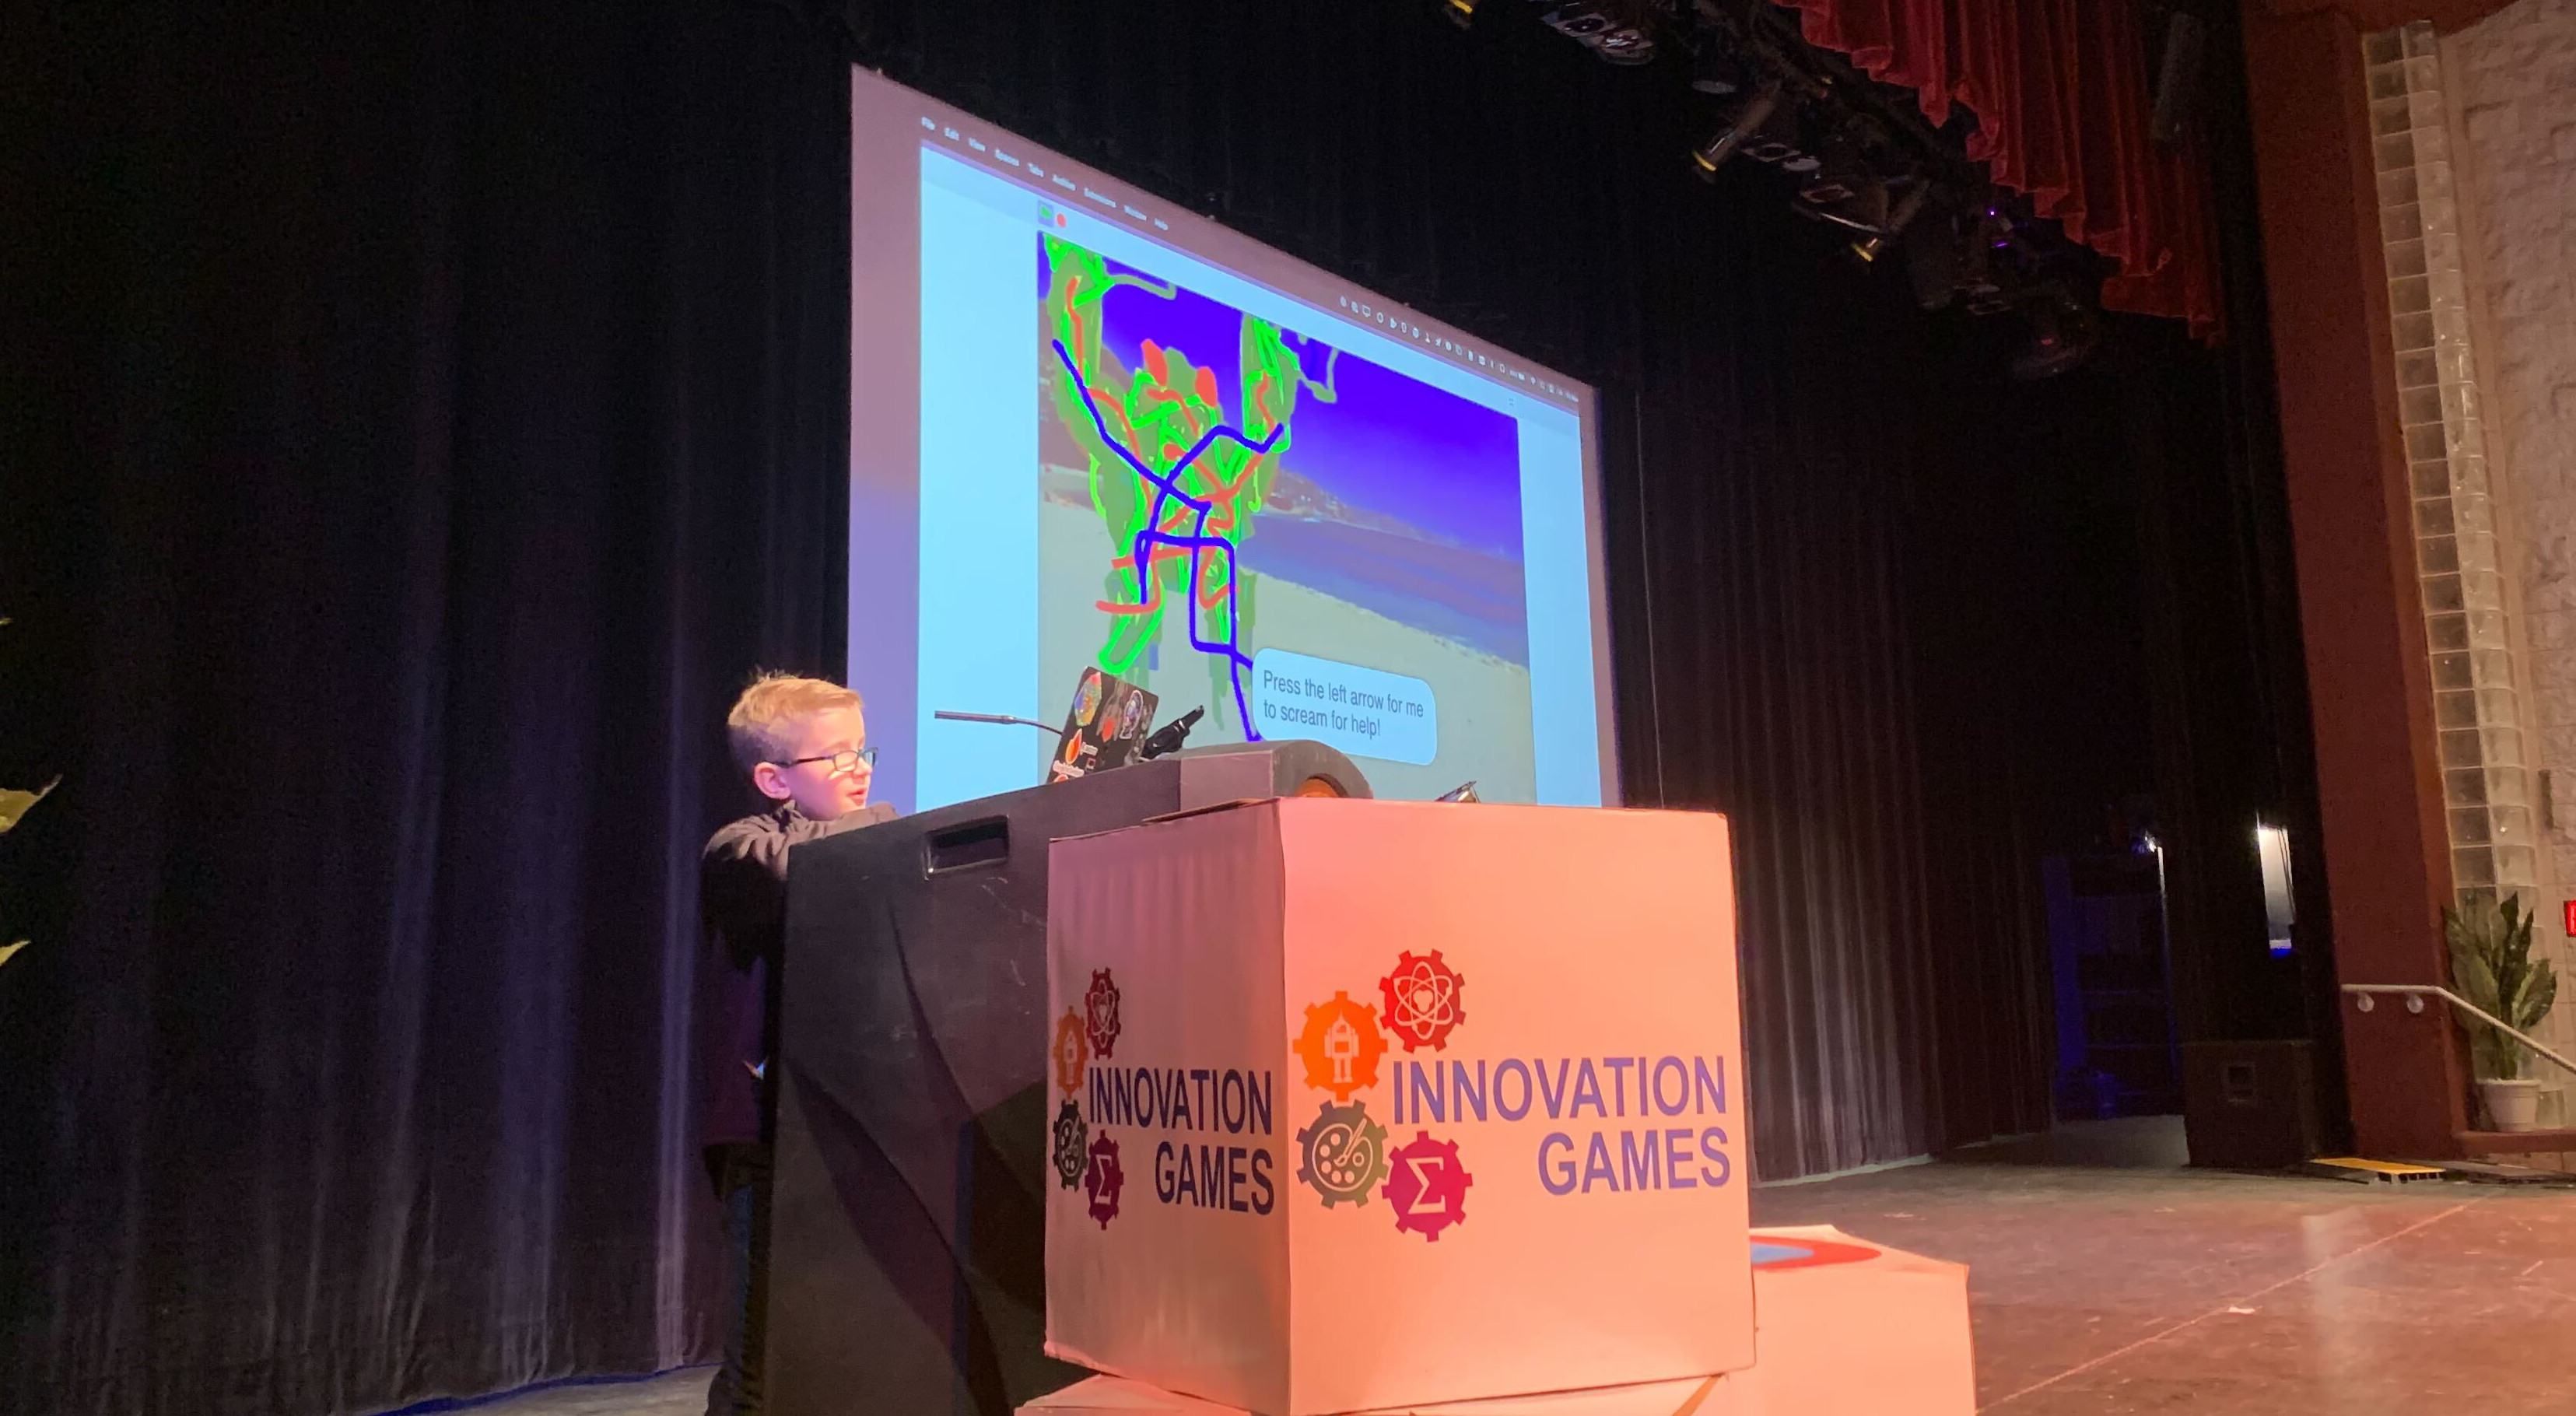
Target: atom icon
column 1100, row 1013
column 1425, row 999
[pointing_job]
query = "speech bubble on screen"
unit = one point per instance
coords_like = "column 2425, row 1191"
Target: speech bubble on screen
column 1362, row 711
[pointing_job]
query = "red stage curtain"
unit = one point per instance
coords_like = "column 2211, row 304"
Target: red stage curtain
column 2060, row 90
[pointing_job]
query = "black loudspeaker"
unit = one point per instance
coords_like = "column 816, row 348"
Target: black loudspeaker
column 2250, row 1105
column 908, row 1230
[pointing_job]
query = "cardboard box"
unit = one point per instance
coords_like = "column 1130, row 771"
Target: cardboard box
column 1367, row 1103
column 1845, row 1328
column 1842, row 1325
column 1696, row 1396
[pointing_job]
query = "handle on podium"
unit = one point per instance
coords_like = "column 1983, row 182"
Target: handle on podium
column 966, row 846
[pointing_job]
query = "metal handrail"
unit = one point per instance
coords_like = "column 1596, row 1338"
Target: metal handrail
column 2416, row 990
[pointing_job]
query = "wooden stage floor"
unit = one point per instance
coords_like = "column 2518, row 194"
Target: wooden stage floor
column 2132, row 1285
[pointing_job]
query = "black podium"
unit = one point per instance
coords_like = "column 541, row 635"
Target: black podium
column 907, row 1246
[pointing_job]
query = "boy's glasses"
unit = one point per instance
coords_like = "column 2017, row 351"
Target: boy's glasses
column 841, row 761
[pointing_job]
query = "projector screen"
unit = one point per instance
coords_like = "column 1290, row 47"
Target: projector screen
column 1358, row 526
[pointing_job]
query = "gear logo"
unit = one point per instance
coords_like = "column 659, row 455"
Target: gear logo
column 1072, row 1148
column 1428, row 1186
column 1343, row 1154
column 1071, row 1053
column 1425, row 999
column 1100, row 1013
column 1102, row 1180
column 1341, row 1046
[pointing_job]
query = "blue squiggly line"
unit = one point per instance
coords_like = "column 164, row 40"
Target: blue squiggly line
column 1152, row 535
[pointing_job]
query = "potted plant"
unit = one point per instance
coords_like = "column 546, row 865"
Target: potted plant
column 2492, row 967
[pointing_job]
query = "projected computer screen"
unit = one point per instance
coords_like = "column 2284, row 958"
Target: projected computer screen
column 1088, row 429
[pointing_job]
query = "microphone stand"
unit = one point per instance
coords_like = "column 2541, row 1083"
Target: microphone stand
column 956, row 717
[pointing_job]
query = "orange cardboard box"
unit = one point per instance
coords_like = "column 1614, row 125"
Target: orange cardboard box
column 1845, row 1328
column 1842, row 1325
column 1695, row 1396
column 1364, row 1103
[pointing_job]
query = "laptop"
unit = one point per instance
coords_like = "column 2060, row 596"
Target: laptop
column 1108, row 723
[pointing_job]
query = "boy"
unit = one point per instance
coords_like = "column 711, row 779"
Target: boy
column 804, row 742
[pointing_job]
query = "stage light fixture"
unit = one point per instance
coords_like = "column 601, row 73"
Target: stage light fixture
column 1714, row 71
column 1841, row 176
column 1771, row 150
column 1908, row 207
column 1816, row 133
column 1620, row 31
column 1830, row 185
column 1625, row 46
column 1865, row 223
column 1461, row 13
column 1780, row 142
column 1757, row 111
column 1578, row 21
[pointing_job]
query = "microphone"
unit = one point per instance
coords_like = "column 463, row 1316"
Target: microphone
column 1168, row 737
column 956, row 717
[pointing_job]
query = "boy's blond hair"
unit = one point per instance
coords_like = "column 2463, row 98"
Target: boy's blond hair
column 762, row 726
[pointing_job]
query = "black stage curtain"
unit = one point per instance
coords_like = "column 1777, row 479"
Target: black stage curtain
column 433, row 416
column 436, row 414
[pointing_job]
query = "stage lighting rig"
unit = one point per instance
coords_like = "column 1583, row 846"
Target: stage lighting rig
column 1859, row 155
column 1745, row 127
column 1878, row 208
column 1840, row 176
column 1774, row 149
column 1718, row 73
column 1908, row 207
column 1620, row 31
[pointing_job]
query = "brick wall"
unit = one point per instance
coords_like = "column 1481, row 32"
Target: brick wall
column 2515, row 77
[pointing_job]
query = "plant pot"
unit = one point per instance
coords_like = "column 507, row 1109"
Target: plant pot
column 2512, row 1106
